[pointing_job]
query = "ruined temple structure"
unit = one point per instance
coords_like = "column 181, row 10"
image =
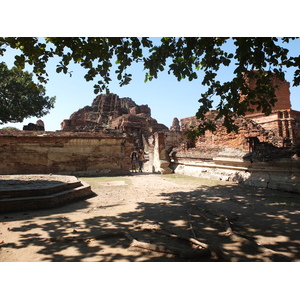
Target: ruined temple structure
column 111, row 113
column 175, row 125
column 97, row 141
column 39, row 126
column 283, row 121
column 257, row 133
column 281, row 128
column 264, row 153
column 248, row 130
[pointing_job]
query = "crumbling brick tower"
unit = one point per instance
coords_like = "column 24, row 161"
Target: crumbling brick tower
column 283, row 121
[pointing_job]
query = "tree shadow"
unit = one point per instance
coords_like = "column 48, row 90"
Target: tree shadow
column 200, row 212
column 253, row 213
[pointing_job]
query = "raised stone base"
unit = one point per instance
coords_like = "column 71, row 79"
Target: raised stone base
column 281, row 174
column 30, row 192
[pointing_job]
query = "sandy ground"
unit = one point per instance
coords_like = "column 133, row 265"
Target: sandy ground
column 235, row 222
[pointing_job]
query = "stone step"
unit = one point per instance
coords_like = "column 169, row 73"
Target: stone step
column 50, row 200
column 39, row 191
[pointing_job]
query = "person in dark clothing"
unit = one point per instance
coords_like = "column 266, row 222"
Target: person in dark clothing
column 141, row 159
column 133, row 159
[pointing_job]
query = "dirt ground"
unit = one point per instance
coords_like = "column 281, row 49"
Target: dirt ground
column 158, row 218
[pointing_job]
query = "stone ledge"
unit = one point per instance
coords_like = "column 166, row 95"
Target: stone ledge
column 280, row 176
column 50, row 197
column 14, row 186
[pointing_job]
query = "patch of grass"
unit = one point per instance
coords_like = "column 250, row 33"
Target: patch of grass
column 94, row 180
column 183, row 179
column 290, row 201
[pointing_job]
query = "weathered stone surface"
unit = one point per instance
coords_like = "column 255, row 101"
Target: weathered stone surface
column 109, row 112
column 221, row 139
column 282, row 93
column 27, row 192
column 283, row 121
column 71, row 154
column 105, row 112
column 232, row 165
column 98, row 139
column 140, row 109
column 281, row 128
column 175, row 125
column 264, row 152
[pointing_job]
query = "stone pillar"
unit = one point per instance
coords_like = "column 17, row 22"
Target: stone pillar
column 160, row 158
column 292, row 137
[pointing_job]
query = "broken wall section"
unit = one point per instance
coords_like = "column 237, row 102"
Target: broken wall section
column 156, row 154
column 72, row 154
column 227, row 157
column 220, row 139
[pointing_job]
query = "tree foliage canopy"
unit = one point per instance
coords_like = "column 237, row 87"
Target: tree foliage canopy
column 20, row 97
column 186, row 58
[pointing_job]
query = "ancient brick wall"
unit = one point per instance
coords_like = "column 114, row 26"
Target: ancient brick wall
column 284, row 123
column 111, row 113
column 282, row 93
column 221, row 139
column 174, row 139
column 103, row 109
column 64, row 154
column 283, row 120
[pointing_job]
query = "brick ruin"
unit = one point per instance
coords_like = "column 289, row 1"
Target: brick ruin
column 38, row 126
column 95, row 140
column 98, row 139
column 283, row 121
column 64, row 153
column 109, row 113
column 265, row 151
column 255, row 155
column 281, row 128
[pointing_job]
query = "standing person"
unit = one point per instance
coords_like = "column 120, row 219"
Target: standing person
column 141, row 159
column 133, row 159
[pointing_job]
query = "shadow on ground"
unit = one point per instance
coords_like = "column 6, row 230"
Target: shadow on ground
column 263, row 230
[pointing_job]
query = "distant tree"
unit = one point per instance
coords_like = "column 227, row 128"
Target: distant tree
column 10, row 128
column 188, row 58
column 20, row 97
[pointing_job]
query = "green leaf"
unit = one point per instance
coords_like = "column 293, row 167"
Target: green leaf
column 20, row 97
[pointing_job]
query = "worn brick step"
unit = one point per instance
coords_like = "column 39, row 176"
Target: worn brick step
column 46, row 201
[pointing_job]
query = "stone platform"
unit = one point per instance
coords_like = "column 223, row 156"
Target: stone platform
column 28, row 192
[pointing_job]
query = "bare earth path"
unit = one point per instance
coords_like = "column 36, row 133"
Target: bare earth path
column 148, row 217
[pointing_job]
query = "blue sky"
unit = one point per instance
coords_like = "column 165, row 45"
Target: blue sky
column 166, row 97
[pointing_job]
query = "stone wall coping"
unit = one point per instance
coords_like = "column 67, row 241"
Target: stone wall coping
column 52, row 134
column 225, row 163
